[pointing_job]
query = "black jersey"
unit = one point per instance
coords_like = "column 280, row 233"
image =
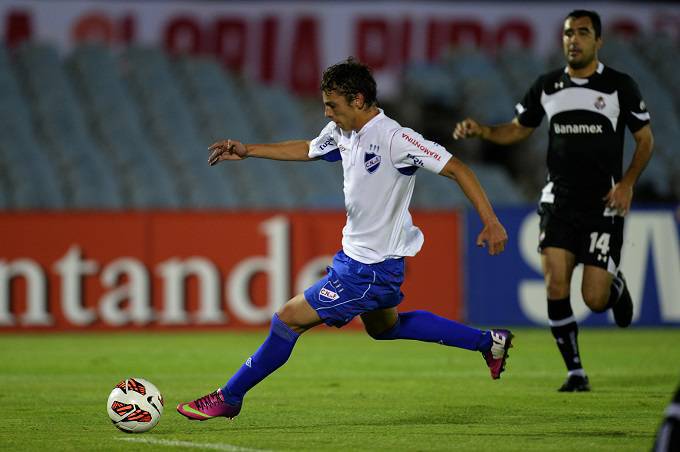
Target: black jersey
column 587, row 120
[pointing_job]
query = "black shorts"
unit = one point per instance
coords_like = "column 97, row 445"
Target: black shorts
column 593, row 238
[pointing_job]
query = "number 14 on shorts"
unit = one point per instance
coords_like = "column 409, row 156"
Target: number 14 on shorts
column 600, row 242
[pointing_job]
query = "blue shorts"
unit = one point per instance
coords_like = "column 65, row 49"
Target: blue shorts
column 352, row 288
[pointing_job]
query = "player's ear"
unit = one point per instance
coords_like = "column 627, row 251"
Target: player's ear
column 359, row 101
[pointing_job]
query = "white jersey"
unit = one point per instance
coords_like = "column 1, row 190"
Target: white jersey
column 379, row 164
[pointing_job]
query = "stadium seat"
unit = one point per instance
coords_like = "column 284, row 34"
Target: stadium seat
column 113, row 118
column 433, row 192
column 498, row 184
column 484, row 91
column 30, row 181
column 239, row 109
column 165, row 110
column 28, row 177
column 133, row 127
column 519, row 68
column 90, row 183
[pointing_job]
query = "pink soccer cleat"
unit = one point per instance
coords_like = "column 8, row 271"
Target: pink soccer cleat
column 208, row 407
column 496, row 357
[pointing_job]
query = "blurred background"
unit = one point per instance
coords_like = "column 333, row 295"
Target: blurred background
column 109, row 106
column 125, row 97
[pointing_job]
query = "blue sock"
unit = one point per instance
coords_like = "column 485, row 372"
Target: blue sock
column 428, row 327
column 271, row 355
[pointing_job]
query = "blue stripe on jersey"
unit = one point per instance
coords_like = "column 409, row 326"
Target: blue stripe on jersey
column 332, row 156
column 408, row 170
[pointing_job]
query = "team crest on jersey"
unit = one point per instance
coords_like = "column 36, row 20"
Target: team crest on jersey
column 328, row 293
column 599, row 103
column 371, row 159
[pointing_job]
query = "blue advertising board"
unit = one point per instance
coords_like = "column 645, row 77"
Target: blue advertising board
column 508, row 289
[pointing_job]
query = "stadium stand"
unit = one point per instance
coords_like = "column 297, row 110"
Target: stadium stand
column 27, row 180
column 276, row 114
column 104, row 129
column 662, row 54
column 172, row 129
column 144, row 174
column 623, row 55
column 473, row 89
column 61, row 129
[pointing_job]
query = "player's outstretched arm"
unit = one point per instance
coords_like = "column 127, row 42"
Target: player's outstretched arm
column 235, row 150
column 620, row 196
column 493, row 233
column 508, row 133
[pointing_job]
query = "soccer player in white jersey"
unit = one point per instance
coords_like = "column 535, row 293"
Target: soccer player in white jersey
column 582, row 207
column 379, row 159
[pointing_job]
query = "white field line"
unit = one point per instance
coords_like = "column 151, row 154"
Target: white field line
column 188, row 444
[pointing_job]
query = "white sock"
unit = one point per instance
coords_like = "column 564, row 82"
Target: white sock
column 578, row 372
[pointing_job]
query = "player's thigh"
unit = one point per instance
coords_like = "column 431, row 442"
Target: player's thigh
column 601, row 242
column 558, row 267
column 558, row 229
column 298, row 314
column 380, row 320
column 595, row 286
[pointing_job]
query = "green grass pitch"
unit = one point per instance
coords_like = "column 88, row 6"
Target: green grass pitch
column 340, row 391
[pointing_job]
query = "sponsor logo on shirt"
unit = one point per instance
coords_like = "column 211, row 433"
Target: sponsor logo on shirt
column 575, row 129
column 417, row 161
column 327, row 293
column 327, row 142
column 435, row 155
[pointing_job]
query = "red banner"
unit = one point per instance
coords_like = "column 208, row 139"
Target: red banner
column 71, row 271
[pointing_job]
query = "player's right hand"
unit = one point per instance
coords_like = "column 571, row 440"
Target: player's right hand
column 468, row 128
column 226, row 150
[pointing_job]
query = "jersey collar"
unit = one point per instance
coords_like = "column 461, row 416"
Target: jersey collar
column 373, row 121
column 580, row 80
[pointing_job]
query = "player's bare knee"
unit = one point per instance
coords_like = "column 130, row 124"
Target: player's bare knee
column 557, row 290
column 287, row 314
column 596, row 300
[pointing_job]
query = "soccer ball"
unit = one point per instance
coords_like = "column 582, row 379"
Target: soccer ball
column 135, row 405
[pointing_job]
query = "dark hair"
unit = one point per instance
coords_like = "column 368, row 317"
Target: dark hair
column 594, row 18
column 349, row 78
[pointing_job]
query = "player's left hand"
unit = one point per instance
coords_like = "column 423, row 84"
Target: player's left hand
column 493, row 234
column 619, row 198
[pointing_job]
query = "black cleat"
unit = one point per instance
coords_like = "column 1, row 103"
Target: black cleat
column 623, row 309
column 575, row 383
